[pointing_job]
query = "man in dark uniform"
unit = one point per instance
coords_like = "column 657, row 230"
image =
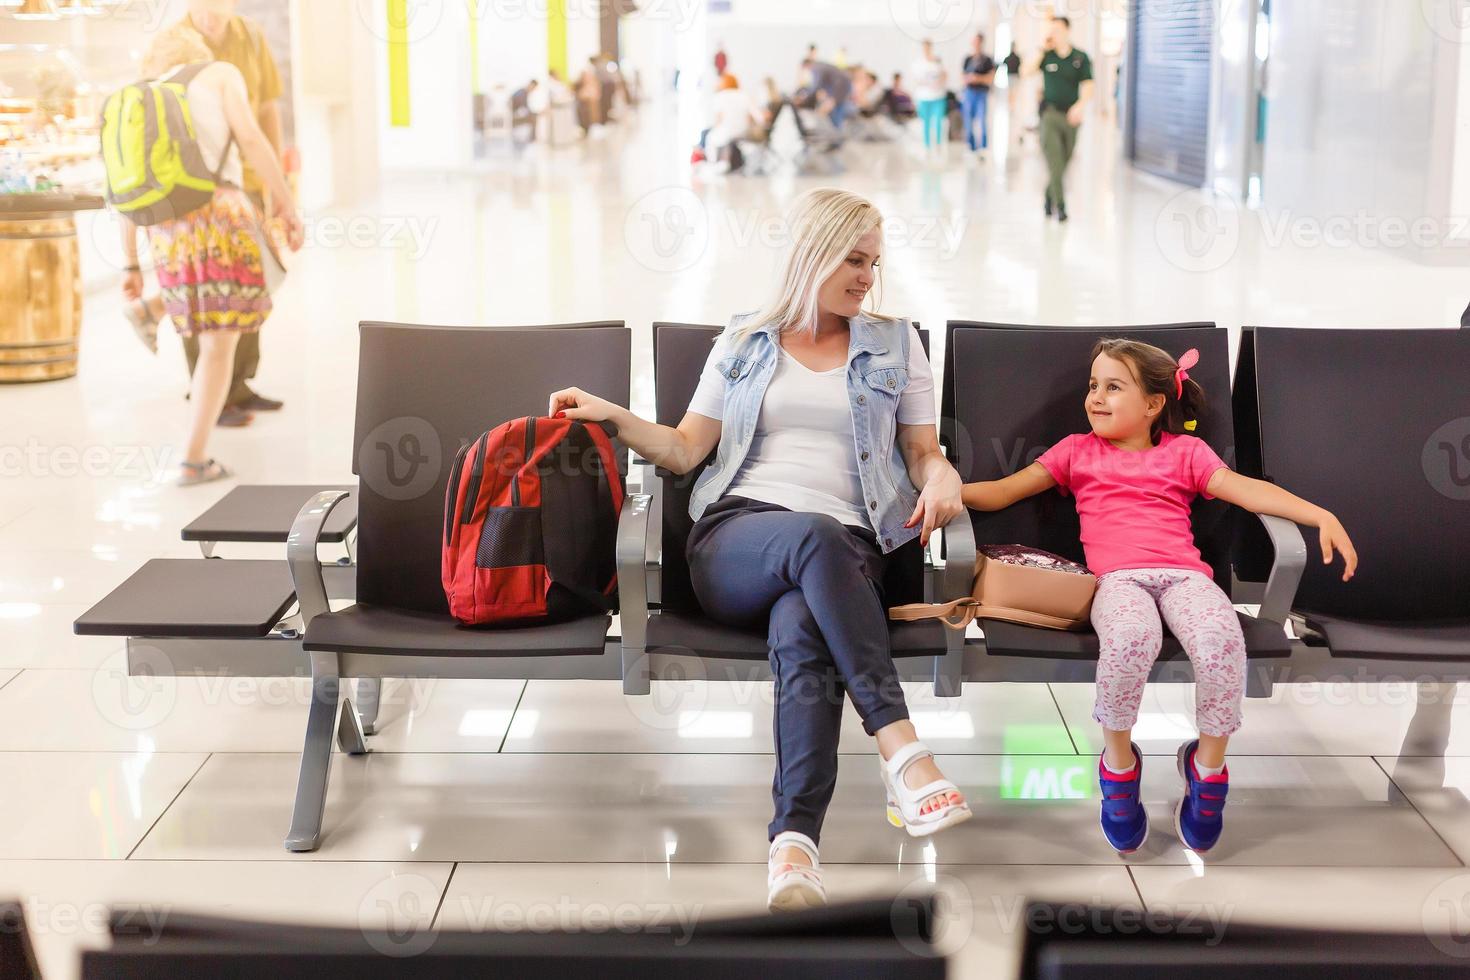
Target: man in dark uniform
column 1066, row 88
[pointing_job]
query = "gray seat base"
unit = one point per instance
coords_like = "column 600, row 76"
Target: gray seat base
column 683, row 633
column 264, row 513
column 405, row 632
column 194, row 598
column 1262, row 639
column 1430, row 640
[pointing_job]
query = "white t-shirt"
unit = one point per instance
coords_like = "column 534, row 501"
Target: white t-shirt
column 801, row 455
column 733, row 117
column 211, row 128
column 927, row 80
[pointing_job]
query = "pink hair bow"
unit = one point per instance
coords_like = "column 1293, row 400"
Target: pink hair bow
column 1181, row 374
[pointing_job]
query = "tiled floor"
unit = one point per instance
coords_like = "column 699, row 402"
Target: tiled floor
column 501, row 801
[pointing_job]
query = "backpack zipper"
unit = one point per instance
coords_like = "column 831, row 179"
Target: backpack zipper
column 515, row 487
column 453, row 490
column 477, row 476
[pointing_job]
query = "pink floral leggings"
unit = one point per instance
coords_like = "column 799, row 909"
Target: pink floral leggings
column 1125, row 613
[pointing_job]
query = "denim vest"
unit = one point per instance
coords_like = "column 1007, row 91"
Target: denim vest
column 877, row 373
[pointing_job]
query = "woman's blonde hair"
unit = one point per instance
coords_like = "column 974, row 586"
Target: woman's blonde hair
column 178, row 45
column 823, row 226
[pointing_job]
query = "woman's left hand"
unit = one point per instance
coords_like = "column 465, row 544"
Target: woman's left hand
column 939, row 503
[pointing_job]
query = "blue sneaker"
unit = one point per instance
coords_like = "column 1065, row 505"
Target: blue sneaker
column 1201, row 813
column 1124, row 822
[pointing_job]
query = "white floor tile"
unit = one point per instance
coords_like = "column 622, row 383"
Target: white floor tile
column 703, row 717
column 1440, row 790
column 66, row 902
column 1385, row 899
column 1296, row 810
column 1298, row 719
column 36, row 635
column 434, row 715
column 85, row 804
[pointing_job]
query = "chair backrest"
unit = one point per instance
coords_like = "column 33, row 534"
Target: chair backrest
column 946, row 405
column 1374, row 425
column 422, row 393
column 1017, row 392
column 679, row 353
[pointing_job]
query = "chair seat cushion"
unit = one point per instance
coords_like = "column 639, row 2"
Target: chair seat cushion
column 1427, row 640
column 685, row 633
column 385, row 630
column 1262, row 639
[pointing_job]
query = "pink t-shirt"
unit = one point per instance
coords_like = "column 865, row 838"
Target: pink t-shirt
column 1134, row 506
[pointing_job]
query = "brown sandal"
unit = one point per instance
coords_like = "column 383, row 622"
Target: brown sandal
column 192, row 474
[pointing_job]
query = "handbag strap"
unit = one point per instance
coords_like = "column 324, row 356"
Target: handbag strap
column 956, row 614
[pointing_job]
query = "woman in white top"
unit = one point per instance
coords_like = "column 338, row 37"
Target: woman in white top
column 209, row 262
column 735, row 115
column 827, row 463
column 931, row 97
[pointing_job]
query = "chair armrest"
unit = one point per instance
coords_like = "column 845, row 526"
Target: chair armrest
column 633, row 568
column 1287, row 566
column 958, row 575
column 301, row 556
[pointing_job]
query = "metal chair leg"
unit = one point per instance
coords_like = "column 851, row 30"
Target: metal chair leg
column 316, row 755
column 949, row 670
column 369, row 697
column 350, row 736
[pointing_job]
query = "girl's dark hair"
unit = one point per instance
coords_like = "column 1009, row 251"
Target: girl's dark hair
column 1155, row 370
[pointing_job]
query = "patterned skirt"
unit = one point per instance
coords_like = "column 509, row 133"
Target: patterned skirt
column 208, row 265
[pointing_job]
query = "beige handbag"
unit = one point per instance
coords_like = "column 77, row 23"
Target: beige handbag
column 1016, row 584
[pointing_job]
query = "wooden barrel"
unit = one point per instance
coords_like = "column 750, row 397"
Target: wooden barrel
column 40, row 297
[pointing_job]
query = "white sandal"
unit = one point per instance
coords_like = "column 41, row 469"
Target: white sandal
column 793, row 887
column 904, row 802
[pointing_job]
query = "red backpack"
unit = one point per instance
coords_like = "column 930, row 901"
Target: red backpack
column 530, row 524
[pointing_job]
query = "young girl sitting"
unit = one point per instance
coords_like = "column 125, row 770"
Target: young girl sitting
column 1134, row 476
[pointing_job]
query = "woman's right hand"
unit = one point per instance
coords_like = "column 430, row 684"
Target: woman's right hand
column 575, row 403
column 290, row 219
column 132, row 285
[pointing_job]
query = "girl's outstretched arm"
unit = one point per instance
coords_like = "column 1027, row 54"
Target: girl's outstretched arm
column 1000, row 494
column 1261, row 497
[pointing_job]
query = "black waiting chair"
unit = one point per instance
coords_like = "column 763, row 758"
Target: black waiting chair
column 873, row 939
column 17, row 956
column 1374, row 425
column 679, row 628
column 422, row 392
column 1016, row 391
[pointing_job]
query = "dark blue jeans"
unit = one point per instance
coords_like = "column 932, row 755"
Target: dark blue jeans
column 816, row 586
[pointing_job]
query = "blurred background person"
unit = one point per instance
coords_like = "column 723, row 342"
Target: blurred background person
column 979, row 73
column 1067, row 87
column 930, row 96
column 832, row 85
